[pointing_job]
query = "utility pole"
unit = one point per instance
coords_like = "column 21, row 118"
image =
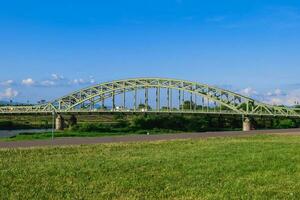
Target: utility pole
column 53, row 122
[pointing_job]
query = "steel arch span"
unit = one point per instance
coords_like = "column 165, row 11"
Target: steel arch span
column 155, row 95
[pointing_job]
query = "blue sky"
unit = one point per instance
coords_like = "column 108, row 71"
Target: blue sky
column 50, row 48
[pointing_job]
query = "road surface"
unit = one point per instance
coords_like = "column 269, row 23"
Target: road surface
column 137, row 138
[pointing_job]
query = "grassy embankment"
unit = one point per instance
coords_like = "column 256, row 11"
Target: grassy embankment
column 256, row 167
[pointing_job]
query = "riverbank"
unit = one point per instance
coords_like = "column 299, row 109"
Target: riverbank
column 249, row 167
column 5, row 134
column 39, row 135
column 96, row 139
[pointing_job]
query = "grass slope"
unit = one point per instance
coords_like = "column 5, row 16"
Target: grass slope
column 255, row 167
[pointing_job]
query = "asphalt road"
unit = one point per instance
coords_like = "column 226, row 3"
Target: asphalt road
column 137, row 138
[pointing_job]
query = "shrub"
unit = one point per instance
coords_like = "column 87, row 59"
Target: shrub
column 91, row 127
column 286, row 123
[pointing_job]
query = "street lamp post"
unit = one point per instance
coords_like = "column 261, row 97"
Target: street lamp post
column 53, row 122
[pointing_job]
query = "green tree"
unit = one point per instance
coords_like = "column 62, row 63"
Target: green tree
column 286, row 123
column 143, row 106
column 187, row 105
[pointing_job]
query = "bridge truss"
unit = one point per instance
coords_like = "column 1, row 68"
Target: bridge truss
column 155, row 95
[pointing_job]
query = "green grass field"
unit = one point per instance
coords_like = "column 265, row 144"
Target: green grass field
column 252, row 167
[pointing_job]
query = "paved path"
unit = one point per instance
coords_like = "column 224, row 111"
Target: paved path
column 137, row 138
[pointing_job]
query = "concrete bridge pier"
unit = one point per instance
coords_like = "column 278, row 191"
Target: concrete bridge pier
column 247, row 124
column 59, row 123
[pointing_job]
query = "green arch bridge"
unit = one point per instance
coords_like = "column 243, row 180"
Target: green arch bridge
column 155, row 95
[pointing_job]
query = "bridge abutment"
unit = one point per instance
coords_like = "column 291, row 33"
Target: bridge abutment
column 59, row 123
column 247, row 124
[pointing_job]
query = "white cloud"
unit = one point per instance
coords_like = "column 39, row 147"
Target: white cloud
column 28, row 82
column 8, row 94
column 275, row 101
column 81, row 81
column 57, row 77
column 293, row 97
column 279, row 97
column 248, row 91
column 47, row 83
column 276, row 92
column 7, row 83
column 57, row 80
column 92, row 80
column 78, row 81
column 274, row 97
